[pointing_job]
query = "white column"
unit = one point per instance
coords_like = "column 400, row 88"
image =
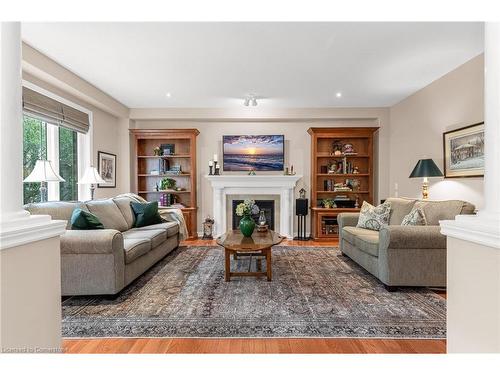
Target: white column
column 11, row 131
column 30, row 287
column 492, row 120
column 473, row 241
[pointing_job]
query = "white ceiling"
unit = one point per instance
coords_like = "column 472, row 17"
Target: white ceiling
column 286, row 64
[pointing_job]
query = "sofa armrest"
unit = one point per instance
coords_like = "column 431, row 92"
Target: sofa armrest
column 94, row 241
column 347, row 219
column 412, row 237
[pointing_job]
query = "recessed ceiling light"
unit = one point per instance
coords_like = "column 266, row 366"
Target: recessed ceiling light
column 338, row 95
column 168, row 95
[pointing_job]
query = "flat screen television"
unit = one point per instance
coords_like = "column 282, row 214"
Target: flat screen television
column 253, row 152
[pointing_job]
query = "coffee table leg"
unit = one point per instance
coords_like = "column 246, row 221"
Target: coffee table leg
column 228, row 264
column 269, row 265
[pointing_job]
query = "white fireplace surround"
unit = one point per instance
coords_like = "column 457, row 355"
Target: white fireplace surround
column 281, row 185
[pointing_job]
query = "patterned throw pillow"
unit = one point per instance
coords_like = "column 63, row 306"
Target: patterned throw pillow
column 374, row 218
column 415, row 217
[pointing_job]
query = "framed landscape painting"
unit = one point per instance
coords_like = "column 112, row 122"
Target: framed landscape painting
column 253, row 152
column 106, row 166
column 464, row 152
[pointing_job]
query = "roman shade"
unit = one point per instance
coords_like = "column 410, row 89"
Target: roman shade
column 54, row 112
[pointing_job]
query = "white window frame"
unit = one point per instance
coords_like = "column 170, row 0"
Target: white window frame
column 84, row 141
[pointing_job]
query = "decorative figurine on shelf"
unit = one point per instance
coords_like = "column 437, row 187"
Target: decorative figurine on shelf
column 337, row 148
column 348, row 149
column 157, row 151
column 355, row 183
column 210, row 167
column 332, row 167
column 302, row 193
column 217, row 169
column 355, row 170
column 251, row 172
column 208, row 226
column 356, row 205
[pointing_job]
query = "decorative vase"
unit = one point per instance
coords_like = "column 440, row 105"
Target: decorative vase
column 247, row 225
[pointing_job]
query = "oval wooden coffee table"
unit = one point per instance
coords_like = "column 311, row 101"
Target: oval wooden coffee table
column 234, row 243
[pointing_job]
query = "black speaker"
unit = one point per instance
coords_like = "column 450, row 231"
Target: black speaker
column 301, row 206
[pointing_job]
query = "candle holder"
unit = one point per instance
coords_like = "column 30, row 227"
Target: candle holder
column 217, row 171
column 210, row 170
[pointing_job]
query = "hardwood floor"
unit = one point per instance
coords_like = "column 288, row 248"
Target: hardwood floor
column 251, row 345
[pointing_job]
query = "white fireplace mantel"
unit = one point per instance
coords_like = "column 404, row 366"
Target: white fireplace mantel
column 281, row 185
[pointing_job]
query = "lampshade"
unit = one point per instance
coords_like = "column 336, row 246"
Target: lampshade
column 426, row 168
column 43, row 172
column 91, row 176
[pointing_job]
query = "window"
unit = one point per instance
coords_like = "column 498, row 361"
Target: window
column 59, row 131
column 60, row 146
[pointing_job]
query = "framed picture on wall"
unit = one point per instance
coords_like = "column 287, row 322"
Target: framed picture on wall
column 106, row 165
column 464, row 152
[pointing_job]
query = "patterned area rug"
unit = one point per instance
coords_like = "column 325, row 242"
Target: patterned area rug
column 315, row 292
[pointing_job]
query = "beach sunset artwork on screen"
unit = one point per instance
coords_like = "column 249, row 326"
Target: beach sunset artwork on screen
column 253, row 152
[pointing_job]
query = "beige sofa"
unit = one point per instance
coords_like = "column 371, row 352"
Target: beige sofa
column 402, row 255
column 104, row 261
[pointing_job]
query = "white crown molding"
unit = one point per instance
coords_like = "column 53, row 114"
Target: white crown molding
column 480, row 229
column 22, row 229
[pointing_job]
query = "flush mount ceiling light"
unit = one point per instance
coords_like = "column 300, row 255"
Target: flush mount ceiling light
column 250, row 100
column 168, row 95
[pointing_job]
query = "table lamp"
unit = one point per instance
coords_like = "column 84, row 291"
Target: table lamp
column 426, row 168
column 43, row 173
column 92, row 177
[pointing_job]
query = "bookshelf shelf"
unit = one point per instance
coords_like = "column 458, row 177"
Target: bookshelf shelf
column 324, row 224
column 183, row 159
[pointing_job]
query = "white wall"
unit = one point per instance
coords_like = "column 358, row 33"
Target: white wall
column 297, row 145
column 417, row 126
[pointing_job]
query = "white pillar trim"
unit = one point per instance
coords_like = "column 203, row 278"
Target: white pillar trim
column 17, row 226
column 484, row 228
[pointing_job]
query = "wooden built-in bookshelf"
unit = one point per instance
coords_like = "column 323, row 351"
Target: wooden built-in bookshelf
column 146, row 162
column 324, row 220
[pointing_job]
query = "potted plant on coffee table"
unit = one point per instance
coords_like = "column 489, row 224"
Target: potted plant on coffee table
column 246, row 210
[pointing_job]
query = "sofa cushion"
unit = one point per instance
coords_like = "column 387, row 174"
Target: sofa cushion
column 57, row 210
column 443, row 210
column 135, row 247
column 364, row 239
column 400, row 207
column 172, row 228
column 156, row 236
column 415, row 217
column 374, row 218
column 109, row 214
column 123, row 204
column 83, row 220
column 145, row 214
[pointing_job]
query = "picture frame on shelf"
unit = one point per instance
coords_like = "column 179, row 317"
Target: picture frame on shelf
column 463, row 151
column 167, row 149
column 106, row 166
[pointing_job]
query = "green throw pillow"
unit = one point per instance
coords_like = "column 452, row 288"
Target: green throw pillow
column 145, row 214
column 82, row 220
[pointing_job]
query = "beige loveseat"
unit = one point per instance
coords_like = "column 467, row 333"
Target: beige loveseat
column 402, row 255
column 104, row 261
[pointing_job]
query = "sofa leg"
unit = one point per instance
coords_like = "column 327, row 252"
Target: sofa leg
column 390, row 288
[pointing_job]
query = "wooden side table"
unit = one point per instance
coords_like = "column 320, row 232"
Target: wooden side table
column 259, row 244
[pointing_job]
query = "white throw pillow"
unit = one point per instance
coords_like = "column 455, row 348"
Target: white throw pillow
column 415, row 217
column 374, row 218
